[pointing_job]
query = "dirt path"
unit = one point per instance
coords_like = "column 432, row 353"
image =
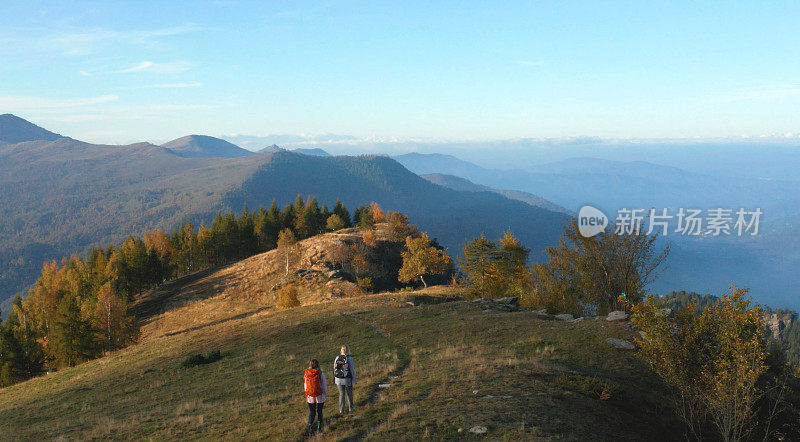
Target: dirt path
column 374, row 395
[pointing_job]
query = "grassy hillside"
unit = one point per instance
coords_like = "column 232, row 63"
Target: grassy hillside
column 451, row 366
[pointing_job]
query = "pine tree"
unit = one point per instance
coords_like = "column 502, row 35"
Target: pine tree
column 70, row 341
column 307, row 223
column 248, row 243
column 267, row 228
column 341, row 211
column 480, row 260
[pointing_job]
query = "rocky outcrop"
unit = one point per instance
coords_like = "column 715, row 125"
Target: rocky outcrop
column 617, row 315
column 776, row 323
column 620, row 344
column 507, row 304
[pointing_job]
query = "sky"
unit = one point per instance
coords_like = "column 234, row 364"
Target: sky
column 119, row 72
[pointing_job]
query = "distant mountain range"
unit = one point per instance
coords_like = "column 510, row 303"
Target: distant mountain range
column 203, row 146
column 62, row 196
column 14, row 129
column 766, row 263
column 458, row 183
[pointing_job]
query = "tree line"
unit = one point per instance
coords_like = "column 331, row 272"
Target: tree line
column 603, row 272
column 79, row 309
column 729, row 380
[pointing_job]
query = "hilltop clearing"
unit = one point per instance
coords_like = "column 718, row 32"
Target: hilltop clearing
column 450, row 367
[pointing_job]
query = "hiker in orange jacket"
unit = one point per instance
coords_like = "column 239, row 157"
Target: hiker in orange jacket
column 316, row 390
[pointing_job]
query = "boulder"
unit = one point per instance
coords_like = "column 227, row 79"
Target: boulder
column 478, row 430
column 620, row 344
column 334, row 274
column 617, row 315
column 565, row 317
column 510, row 300
column 483, row 300
column 542, row 314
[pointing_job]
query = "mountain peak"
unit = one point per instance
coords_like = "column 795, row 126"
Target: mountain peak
column 270, row 149
column 14, row 129
column 204, row 146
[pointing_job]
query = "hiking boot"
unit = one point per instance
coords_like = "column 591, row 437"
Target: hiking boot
column 352, row 409
column 319, row 427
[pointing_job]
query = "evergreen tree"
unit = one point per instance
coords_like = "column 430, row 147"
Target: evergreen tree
column 248, row 243
column 480, row 260
column 341, row 211
column 267, row 228
column 70, row 341
column 307, row 223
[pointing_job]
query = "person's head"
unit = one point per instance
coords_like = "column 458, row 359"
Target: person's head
column 313, row 364
column 345, row 350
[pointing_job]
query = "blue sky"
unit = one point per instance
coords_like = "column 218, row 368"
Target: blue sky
column 132, row 71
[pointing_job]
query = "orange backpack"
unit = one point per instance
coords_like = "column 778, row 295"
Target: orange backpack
column 313, row 382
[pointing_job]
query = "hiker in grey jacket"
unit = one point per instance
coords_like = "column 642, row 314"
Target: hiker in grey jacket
column 345, row 373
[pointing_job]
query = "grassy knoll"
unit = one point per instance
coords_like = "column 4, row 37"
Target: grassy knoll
column 458, row 367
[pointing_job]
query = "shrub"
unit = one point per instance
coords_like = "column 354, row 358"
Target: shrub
column 365, row 284
column 353, row 291
column 369, row 238
column 334, row 223
column 200, row 359
column 589, row 386
column 287, row 298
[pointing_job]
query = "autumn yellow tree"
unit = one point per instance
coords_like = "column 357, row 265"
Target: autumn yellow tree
column 600, row 270
column 112, row 320
column 288, row 249
column 712, row 360
column 421, row 258
column 287, row 298
column 378, row 215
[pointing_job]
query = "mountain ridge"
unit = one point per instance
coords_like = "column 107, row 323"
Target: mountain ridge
column 204, row 146
column 14, row 129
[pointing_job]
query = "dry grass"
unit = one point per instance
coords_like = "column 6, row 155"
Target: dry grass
column 534, row 379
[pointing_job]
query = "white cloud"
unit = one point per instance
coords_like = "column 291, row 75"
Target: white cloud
column 172, row 67
column 85, row 73
column 79, row 43
column 17, row 103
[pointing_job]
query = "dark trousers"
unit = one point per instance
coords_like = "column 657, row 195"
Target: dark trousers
column 315, row 410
